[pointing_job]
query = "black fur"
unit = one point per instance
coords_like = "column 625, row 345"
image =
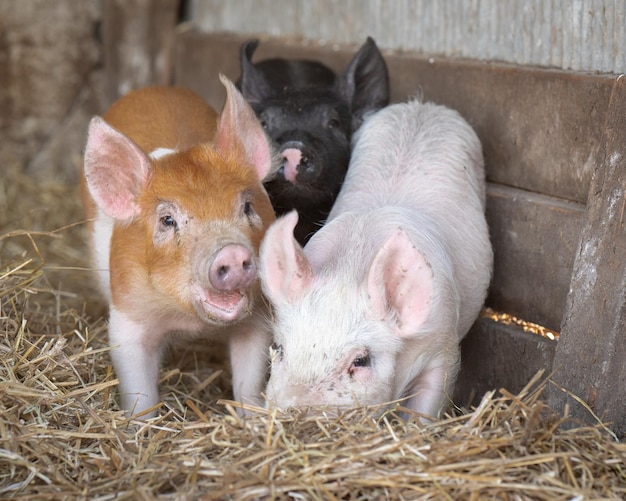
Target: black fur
column 304, row 105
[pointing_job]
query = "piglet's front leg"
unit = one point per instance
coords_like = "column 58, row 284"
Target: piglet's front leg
column 136, row 351
column 430, row 390
column 249, row 351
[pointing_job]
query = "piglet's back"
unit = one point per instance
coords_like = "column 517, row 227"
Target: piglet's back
column 178, row 118
column 419, row 155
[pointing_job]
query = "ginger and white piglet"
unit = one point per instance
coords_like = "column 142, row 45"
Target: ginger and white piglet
column 178, row 210
column 374, row 307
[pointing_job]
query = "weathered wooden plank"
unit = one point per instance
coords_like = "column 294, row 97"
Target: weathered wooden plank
column 139, row 37
column 534, row 138
column 535, row 239
column 591, row 356
column 496, row 356
column 586, row 36
column 200, row 58
column 541, row 130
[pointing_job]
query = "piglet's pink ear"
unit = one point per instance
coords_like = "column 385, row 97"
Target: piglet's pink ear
column 116, row 170
column 239, row 129
column 400, row 281
column 285, row 270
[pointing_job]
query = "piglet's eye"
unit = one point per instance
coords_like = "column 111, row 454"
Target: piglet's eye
column 168, row 221
column 333, row 123
column 363, row 360
column 247, row 209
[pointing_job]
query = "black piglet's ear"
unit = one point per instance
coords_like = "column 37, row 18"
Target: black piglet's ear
column 365, row 82
column 252, row 83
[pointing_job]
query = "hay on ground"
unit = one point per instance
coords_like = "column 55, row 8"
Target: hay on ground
column 62, row 435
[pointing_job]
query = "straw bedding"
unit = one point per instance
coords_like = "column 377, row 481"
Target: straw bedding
column 62, row 435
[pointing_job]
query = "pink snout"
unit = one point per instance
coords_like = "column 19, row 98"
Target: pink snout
column 232, row 268
column 292, row 157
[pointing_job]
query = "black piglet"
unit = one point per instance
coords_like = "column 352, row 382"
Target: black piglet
column 310, row 113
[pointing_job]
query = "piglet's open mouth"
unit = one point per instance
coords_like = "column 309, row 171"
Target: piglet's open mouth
column 223, row 306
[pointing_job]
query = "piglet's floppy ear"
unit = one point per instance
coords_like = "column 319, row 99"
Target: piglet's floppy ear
column 116, row 170
column 400, row 281
column 239, row 129
column 285, row 270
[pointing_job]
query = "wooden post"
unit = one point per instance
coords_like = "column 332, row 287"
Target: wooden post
column 138, row 43
column 590, row 359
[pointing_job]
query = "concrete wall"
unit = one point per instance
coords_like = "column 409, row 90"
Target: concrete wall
column 587, row 35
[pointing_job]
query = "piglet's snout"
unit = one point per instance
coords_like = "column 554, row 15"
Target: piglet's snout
column 233, row 267
column 292, row 157
column 295, row 161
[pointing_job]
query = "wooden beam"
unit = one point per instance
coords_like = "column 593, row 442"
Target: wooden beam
column 139, row 37
column 590, row 359
column 541, row 129
column 496, row 356
column 535, row 238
